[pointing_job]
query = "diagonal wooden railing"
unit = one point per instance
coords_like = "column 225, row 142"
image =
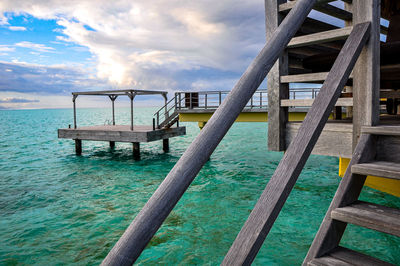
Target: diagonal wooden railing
column 147, row 222
column 253, row 233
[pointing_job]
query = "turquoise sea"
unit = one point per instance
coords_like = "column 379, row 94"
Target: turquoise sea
column 57, row 208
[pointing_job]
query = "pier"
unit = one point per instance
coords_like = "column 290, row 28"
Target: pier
column 135, row 134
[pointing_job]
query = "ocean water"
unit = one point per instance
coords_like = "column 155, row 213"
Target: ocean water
column 57, row 208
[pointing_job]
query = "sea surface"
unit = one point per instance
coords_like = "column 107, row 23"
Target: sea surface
column 57, row 208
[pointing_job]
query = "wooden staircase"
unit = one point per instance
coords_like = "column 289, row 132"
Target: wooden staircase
column 370, row 158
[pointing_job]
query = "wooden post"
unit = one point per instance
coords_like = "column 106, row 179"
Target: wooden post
column 136, row 150
column 366, row 80
column 78, row 147
column 113, row 98
column 165, row 145
column 146, row 223
column 277, row 115
column 112, row 144
column 73, row 100
column 131, row 96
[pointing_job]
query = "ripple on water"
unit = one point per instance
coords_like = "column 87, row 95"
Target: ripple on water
column 57, row 208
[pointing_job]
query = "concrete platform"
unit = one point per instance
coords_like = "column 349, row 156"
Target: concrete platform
column 121, row 133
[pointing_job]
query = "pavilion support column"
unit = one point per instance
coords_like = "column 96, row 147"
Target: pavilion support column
column 136, row 150
column 78, row 147
column 277, row 115
column 112, row 144
column 165, row 145
column 131, row 97
column 366, row 81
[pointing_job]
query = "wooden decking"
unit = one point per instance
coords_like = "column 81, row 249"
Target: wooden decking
column 121, row 133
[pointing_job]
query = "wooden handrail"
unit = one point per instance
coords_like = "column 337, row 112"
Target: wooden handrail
column 145, row 225
column 254, row 231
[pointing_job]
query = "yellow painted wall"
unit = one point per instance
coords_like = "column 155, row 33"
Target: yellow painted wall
column 387, row 185
column 243, row 117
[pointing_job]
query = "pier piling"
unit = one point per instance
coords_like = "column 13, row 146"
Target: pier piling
column 78, row 147
column 165, row 145
column 136, row 150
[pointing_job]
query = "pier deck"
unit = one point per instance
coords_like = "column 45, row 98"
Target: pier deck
column 121, row 133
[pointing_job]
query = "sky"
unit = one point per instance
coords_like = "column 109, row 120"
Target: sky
column 50, row 48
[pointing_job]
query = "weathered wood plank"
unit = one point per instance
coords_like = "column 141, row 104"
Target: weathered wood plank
column 312, row 77
column 277, row 115
column 335, row 139
column 156, row 210
column 321, row 37
column 309, row 102
column 120, row 133
column 344, row 256
column 252, row 235
column 331, row 231
column 366, row 81
column 378, row 168
column 382, row 130
column 369, row 215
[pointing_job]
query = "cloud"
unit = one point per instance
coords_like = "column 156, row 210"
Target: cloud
column 29, row 78
column 18, row 100
column 35, row 46
column 149, row 44
column 17, row 28
column 6, row 48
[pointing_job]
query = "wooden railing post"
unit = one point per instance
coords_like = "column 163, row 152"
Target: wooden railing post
column 145, row 225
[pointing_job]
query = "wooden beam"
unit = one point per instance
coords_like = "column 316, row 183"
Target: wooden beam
column 253, row 233
column 309, row 102
column 324, row 8
column 321, row 37
column 145, row 225
column 366, row 81
column 277, row 115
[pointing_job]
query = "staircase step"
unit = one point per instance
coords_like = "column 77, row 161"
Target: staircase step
column 382, row 130
column 369, row 215
column 378, row 168
column 346, row 257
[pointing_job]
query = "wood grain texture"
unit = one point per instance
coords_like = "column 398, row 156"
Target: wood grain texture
column 309, row 102
column 120, row 133
column 369, row 215
column 382, row 130
column 388, row 148
column 344, row 256
column 331, row 231
column 321, row 37
column 252, row 235
column 277, row 116
column 335, row 139
column 366, row 81
column 378, row 168
column 156, row 210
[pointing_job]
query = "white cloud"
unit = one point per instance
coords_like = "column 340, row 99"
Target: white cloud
column 35, row 46
column 17, row 28
column 6, row 48
column 150, row 43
